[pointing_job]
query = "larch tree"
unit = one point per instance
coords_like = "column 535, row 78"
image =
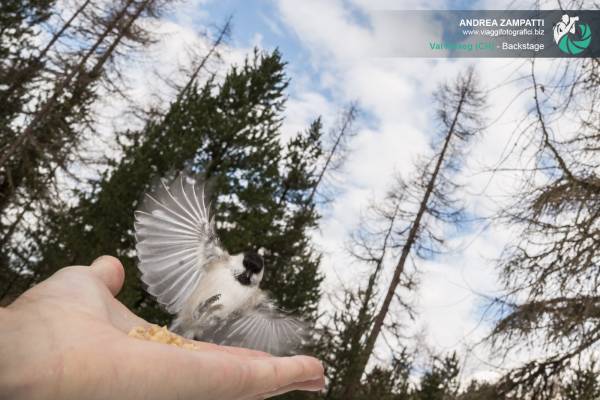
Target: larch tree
column 424, row 206
column 550, row 269
column 43, row 133
column 323, row 166
column 19, row 21
column 59, row 56
column 345, row 333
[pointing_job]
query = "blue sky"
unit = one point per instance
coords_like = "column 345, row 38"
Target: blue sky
column 258, row 21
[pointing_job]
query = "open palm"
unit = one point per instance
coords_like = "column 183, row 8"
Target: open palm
column 66, row 338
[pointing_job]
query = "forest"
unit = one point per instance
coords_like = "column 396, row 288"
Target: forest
column 70, row 182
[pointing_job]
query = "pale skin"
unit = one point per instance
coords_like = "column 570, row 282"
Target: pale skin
column 66, row 338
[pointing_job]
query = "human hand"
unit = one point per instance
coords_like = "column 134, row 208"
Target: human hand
column 66, row 338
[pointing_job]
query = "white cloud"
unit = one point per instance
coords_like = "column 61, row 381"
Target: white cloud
column 302, row 109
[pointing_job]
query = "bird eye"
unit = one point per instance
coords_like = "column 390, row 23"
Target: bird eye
column 253, row 261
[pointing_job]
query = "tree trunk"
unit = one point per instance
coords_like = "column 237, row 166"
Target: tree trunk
column 223, row 33
column 353, row 379
column 364, row 305
column 34, row 64
column 12, row 181
column 348, row 119
column 49, row 104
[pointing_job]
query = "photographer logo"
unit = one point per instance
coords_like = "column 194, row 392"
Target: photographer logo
column 571, row 36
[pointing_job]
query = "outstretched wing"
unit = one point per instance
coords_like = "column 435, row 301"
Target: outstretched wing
column 175, row 237
column 263, row 328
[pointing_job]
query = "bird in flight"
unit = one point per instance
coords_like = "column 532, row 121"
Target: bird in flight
column 214, row 295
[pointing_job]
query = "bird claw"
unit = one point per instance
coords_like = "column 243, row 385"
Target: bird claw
column 206, row 306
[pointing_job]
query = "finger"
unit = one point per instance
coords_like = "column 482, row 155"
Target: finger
column 215, row 374
column 311, row 386
column 204, row 373
column 243, row 352
column 272, row 374
column 110, row 271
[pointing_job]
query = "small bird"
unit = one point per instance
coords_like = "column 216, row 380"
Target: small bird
column 215, row 295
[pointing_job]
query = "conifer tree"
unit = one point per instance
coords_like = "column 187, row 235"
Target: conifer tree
column 425, row 205
column 19, row 20
column 48, row 87
column 441, row 381
column 389, row 383
column 550, row 267
column 346, row 334
column 583, row 385
column 19, row 35
column 480, row 391
column 41, row 135
column 227, row 133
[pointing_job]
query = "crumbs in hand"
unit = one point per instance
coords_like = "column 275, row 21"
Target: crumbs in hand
column 155, row 333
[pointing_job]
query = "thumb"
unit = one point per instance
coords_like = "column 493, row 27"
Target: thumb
column 110, row 271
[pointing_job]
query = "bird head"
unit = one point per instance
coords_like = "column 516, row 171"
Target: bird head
column 247, row 268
